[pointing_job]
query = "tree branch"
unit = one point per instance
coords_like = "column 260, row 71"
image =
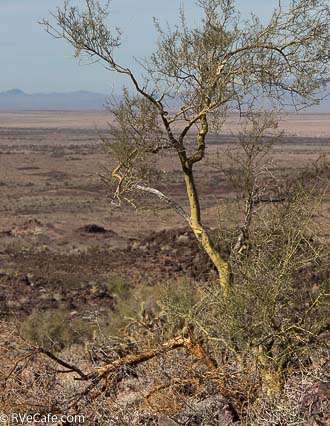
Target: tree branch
column 169, row 201
column 244, row 230
column 64, row 364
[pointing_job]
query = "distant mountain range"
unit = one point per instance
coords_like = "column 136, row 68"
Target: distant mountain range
column 17, row 100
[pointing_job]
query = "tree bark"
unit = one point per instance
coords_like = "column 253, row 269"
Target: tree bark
column 201, row 233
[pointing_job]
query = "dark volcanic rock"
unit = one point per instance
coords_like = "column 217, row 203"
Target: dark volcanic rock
column 95, row 229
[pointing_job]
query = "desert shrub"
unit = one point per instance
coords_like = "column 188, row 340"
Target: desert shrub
column 119, row 287
column 264, row 334
column 138, row 308
column 276, row 311
column 55, row 330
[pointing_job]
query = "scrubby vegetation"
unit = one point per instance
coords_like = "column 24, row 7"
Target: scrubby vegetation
column 246, row 342
column 182, row 350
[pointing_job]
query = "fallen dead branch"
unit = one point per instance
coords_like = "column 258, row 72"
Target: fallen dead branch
column 133, row 360
column 190, row 343
column 70, row 368
column 113, row 369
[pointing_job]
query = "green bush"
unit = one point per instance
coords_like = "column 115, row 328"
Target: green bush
column 277, row 306
column 55, row 330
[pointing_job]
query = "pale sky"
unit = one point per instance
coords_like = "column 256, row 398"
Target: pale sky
column 35, row 62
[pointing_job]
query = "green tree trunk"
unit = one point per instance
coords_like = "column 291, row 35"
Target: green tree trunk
column 202, row 235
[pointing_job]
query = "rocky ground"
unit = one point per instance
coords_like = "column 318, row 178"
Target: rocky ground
column 62, row 248
column 34, row 276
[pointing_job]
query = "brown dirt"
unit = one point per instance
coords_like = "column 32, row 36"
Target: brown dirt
column 78, row 281
column 60, row 240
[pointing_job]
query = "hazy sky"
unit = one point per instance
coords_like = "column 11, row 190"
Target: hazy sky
column 35, row 62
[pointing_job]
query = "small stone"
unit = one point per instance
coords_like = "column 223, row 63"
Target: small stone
column 166, row 421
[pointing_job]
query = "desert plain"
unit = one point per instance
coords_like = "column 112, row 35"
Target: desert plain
column 61, row 238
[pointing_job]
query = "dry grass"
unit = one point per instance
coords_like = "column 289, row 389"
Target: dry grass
column 175, row 385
